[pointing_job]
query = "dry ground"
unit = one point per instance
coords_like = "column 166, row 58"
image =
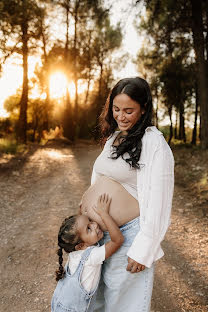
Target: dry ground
column 43, row 185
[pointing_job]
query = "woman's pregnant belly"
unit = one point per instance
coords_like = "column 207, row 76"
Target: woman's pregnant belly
column 124, row 207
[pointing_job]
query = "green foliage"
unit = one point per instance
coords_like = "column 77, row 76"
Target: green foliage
column 166, row 131
column 14, row 16
column 167, row 60
column 11, row 104
column 37, row 113
column 10, row 146
column 5, row 127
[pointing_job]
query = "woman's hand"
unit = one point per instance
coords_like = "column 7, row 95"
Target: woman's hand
column 103, row 204
column 134, row 267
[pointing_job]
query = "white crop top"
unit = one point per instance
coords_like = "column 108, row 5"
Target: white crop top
column 116, row 169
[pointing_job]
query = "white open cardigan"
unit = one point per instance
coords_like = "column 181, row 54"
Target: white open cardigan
column 155, row 184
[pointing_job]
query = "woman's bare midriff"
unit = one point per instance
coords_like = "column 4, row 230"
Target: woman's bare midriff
column 124, row 207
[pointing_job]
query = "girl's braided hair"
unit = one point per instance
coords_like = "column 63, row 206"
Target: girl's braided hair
column 67, row 240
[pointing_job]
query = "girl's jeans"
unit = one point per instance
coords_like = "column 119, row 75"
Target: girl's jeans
column 119, row 290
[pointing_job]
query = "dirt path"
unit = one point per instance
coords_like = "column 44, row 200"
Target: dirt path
column 38, row 190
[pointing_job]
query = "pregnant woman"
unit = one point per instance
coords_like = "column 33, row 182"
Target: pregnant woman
column 136, row 169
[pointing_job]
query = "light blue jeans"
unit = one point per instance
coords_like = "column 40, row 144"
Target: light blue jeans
column 119, row 290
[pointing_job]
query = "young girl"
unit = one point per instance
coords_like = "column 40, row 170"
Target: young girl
column 77, row 283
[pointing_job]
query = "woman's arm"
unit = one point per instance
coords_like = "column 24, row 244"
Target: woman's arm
column 156, row 206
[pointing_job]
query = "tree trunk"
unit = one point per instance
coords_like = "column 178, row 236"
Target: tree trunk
column 88, row 90
column 171, row 124
column 170, row 106
column 206, row 42
column 194, row 133
column 68, row 120
column 89, row 67
column 22, row 123
column 176, row 126
column 198, row 39
column 47, row 100
column 200, row 126
column 99, row 92
column 156, row 110
column 98, row 102
column 75, row 62
column 47, row 106
column 182, row 134
column 35, row 127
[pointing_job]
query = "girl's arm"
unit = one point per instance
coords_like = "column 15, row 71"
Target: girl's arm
column 102, row 209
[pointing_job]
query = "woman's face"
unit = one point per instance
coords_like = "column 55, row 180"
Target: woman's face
column 126, row 111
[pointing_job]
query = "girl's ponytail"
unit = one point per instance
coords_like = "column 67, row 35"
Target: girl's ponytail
column 60, row 272
column 67, row 240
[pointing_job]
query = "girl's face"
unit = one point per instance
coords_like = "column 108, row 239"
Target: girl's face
column 126, row 111
column 89, row 231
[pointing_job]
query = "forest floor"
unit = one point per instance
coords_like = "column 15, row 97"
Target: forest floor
column 43, row 185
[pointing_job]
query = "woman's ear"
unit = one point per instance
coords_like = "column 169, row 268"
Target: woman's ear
column 80, row 246
column 144, row 108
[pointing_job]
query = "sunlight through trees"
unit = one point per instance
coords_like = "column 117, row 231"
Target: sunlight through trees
column 62, row 57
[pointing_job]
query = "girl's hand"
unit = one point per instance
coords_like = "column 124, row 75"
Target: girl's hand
column 134, row 267
column 103, row 204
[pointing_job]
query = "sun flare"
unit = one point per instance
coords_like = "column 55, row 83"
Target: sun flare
column 72, row 89
column 58, row 84
column 12, row 80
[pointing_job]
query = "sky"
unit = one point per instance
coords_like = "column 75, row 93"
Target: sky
column 11, row 77
column 132, row 41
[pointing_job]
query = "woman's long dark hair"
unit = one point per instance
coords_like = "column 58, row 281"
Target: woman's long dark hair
column 138, row 90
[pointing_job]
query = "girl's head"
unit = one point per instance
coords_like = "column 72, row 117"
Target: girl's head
column 130, row 96
column 76, row 232
column 129, row 108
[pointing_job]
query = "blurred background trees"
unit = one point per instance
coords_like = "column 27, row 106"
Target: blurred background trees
column 174, row 58
column 73, row 45
column 20, row 30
